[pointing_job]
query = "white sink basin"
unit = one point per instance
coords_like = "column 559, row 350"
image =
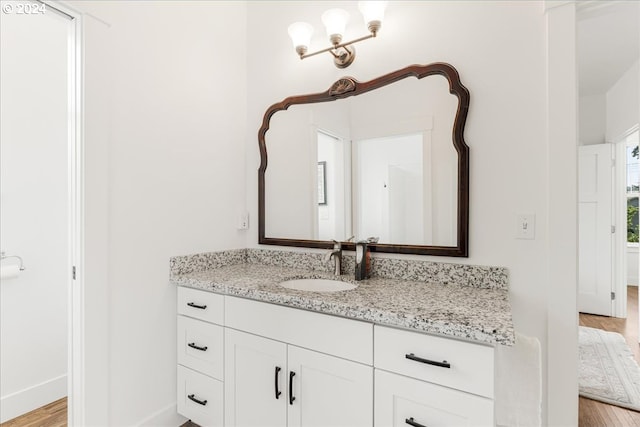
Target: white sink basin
column 318, row 285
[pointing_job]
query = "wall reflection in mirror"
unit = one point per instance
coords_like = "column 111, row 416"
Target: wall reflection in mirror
column 380, row 164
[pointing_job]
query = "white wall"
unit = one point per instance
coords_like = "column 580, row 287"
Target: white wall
column 592, row 111
column 34, row 197
column 623, row 106
column 175, row 179
column 291, row 137
column 292, row 211
column 506, row 128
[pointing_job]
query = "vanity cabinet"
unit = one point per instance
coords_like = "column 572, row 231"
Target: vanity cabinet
column 270, row 365
column 270, row 383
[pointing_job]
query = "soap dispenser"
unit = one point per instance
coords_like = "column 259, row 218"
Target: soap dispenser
column 363, row 260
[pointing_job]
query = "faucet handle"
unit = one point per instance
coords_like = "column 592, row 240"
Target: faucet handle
column 337, row 245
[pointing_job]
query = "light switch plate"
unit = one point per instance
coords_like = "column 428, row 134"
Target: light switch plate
column 525, row 226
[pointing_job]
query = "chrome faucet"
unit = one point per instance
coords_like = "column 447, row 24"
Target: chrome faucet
column 336, row 253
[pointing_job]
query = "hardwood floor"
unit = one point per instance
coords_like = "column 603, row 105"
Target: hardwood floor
column 597, row 414
column 52, row 415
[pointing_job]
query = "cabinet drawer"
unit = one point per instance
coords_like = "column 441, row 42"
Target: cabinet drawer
column 201, row 305
column 471, row 366
column 400, row 401
column 349, row 339
column 200, row 398
column 200, row 346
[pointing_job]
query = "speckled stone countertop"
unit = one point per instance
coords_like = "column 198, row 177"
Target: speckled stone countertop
column 481, row 314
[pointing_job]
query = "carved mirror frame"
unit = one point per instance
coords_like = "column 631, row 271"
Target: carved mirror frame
column 346, row 87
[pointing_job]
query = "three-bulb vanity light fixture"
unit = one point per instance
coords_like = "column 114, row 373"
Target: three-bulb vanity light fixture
column 335, row 20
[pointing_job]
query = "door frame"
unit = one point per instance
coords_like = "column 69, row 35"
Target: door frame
column 619, row 305
column 560, row 349
column 619, row 271
column 75, row 197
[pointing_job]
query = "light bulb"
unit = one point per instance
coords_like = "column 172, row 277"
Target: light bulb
column 300, row 33
column 336, row 21
column 373, row 13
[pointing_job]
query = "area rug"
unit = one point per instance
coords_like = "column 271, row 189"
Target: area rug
column 607, row 370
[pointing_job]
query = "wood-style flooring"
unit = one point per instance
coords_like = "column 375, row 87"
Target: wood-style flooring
column 52, row 415
column 597, row 414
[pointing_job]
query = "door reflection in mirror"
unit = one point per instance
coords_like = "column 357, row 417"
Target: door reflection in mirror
column 334, row 216
column 389, row 182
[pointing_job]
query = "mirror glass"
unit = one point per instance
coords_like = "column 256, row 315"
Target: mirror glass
column 379, row 165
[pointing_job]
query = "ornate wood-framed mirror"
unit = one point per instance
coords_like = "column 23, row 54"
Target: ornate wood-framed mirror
column 384, row 158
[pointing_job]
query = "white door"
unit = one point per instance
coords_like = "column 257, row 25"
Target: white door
column 595, row 201
column 255, row 381
column 327, row 391
column 35, row 134
column 403, row 402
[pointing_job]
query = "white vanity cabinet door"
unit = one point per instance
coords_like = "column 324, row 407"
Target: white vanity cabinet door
column 200, row 398
column 252, row 379
column 404, row 402
column 328, row 391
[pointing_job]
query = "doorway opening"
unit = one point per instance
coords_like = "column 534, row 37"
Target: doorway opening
column 608, row 52
column 41, row 209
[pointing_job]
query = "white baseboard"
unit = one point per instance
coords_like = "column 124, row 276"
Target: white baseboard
column 167, row 417
column 23, row 401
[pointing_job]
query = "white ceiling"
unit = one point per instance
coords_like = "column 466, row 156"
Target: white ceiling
column 608, row 43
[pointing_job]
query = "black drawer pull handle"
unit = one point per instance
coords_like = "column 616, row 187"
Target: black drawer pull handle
column 194, row 305
column 411, row 422
column 278, row 392
column 198, row 401
column 291, row 397
column 193, row 345
column 442, row 364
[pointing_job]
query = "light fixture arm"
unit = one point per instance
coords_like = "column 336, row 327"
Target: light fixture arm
column 343, row 56
column 338, row 46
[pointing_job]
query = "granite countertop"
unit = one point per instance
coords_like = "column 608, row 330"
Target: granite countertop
column 466, row 312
